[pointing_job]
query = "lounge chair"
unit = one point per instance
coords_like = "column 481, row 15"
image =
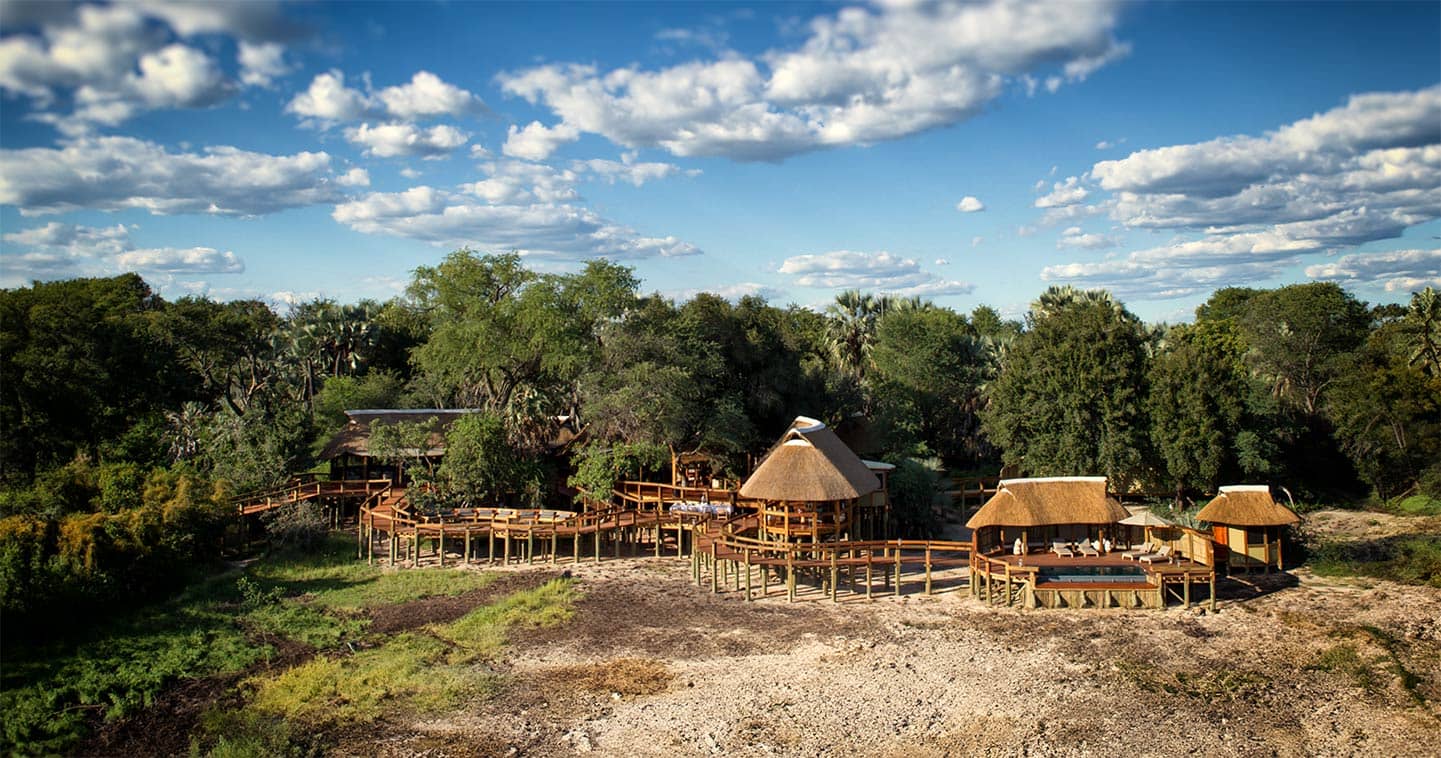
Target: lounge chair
column 1088, row 550
column 1164, row 554
column 1131, row 555
column 1059, row 548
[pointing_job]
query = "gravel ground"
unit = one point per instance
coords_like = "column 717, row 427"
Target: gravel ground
column 1296, row 665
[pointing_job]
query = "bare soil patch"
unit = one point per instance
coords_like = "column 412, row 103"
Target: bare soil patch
column 389, row 619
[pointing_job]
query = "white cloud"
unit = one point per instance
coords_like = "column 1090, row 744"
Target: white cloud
column 537, row 141
column 114, row 61
column 59, row 250
column 1395, row 271
column 399, row 139
column 1246, row 207
column 427, row 95
column 114, row 173
column 942, row 262
column 881, row 272
column 628, row 169
column 976, row 241
column 510, row 182
column 1075, row 237
column 732, row 292
column 328, row 100
column 861, row 75
column 969, row 204
column 356, row 177
column 512, row 210
column 261, row 63
column 1063, row 194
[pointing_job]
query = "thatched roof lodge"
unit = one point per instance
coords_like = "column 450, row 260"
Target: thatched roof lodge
column 1036, row 510
column 1249, row 523
column 1049, row 501
column 349, row 450
column 810, row 483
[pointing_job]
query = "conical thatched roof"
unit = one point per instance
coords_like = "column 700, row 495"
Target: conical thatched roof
column 1247, row 505
column 810, row 464
column 1049, row 501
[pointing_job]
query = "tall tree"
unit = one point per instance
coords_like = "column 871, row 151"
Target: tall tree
column 1070, row 397
column 1209, row 418
column 1301, row 337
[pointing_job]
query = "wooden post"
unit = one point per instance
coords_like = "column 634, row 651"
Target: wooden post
column 530, row 543
column 928, row 568
column 714, row 578
column 440, row 545
column 835, row 577
column 506, row 538
column 790, row 577
column 870, row 557
column 746, row 554
column 466, row 560
column 490, row 542
column 898, row 571
column 1213, row 590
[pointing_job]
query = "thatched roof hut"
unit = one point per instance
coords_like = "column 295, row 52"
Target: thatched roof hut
column 1247, row 505
column 1049, row 501
column 810, row 464
column 354, row 439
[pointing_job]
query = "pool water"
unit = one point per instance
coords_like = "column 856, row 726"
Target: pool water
column 1093, row 574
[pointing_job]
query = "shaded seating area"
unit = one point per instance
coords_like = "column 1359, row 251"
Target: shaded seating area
column 1248, row 527
column 1077, row 519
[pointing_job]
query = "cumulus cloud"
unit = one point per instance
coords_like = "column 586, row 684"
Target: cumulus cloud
column 261, row 63
column 522, row 206
column 1062, row 194
column 861, row 75
column 328, row 100
column 399, row 139
column 115, row 173
column 877, row 272
column 1075, row 237
column 1396, row 271
column 59, row 250
column 114, row 61
column 969, row 204
column 629, row 169
column 1243, row 208
column 536, row 141
column 356, row 177
column 732, row 292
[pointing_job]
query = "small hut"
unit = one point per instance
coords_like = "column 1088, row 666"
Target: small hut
column 1249, row 523
column 808, row 485
column 1036, row 511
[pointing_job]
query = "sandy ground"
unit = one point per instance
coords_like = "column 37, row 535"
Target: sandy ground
column 652, row 665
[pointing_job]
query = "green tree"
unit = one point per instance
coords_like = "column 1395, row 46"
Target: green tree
column 1423, row 326
column 1301, row 337
column 379, row 389
column 78, row 367
column 929, row 370
column 1070, row 396
column 1209, row 420
column 1387, row 412
column 509, row 340
column 481, row 465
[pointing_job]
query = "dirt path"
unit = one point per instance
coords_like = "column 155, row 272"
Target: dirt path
column 652, row 665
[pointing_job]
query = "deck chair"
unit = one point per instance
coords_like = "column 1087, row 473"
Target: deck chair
column 1059, row 548
column 1164, row 554
column 1088, row 550
column 1131, row 555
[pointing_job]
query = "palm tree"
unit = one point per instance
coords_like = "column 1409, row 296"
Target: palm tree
column 1423, row 319
column 851, row 330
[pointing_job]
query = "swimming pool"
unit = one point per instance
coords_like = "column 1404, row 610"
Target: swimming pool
column 1093, row 574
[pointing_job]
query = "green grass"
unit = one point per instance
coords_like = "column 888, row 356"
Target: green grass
column 1410, row 559
column 1417, row 505
column 434, row 669
column 222, row 624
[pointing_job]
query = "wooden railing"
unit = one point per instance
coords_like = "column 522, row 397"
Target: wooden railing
column 299, row 490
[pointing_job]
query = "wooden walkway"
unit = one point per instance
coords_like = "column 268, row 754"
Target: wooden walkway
column 724, row 551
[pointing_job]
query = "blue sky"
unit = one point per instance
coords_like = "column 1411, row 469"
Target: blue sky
column 967, row 153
